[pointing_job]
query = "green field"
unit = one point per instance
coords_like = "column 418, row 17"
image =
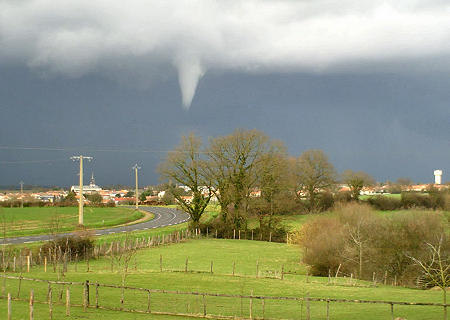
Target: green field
column 248, row 258
column 16, row 222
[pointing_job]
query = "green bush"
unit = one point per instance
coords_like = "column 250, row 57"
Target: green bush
column 384, row 203
column 412, row 200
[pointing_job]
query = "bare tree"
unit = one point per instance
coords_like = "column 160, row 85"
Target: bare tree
column 121, row 254
column 436, row 267
column 312, row 172
column 186, row 166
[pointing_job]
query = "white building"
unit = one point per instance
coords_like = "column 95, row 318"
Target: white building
column 91, row 188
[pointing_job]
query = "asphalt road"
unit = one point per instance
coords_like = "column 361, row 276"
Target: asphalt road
column 163, row 217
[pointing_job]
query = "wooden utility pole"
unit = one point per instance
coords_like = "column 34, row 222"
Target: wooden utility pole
column 136, row 168
column 80, row 203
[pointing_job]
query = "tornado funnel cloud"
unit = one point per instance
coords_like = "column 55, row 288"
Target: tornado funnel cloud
column 190, row 71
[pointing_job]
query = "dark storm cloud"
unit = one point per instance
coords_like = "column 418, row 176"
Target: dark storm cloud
column 365, row 81
column 116, row 37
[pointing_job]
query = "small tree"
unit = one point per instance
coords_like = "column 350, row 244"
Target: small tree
column 122, row 256
column 436, row 267
column 356, row 181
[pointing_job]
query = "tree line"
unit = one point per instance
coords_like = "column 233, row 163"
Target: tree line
column 251, row 174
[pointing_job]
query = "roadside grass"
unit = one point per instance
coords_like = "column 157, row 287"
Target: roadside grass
column 247, row 257
column 16, row 222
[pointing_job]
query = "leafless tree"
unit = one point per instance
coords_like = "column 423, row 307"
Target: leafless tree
column 436, row 267
column 312, row 172
column 186, row 166
column 122, row 255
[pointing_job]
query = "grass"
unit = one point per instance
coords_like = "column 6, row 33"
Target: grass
column 248, row 257
column 33, row 221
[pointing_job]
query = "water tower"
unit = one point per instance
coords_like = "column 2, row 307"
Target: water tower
column 437, row 176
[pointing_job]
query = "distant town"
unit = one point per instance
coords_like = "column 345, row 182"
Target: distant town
column 160, row 194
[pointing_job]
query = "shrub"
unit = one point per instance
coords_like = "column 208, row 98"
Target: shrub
column 323, row 240
column 385, row 203
column 360, row 241
column 326, row 201
column 411, row 200
column 73, row 245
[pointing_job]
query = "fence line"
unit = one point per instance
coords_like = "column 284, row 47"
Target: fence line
column 204, row 308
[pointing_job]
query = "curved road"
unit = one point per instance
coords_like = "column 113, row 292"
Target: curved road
column 163, row 217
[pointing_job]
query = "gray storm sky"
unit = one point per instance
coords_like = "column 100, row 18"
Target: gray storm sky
column 121, row 81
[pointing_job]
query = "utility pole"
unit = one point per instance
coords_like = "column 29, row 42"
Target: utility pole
column 21, row 193
column 80, row 203
column 136, row 168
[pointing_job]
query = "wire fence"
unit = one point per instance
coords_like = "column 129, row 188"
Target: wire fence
column 194, row 304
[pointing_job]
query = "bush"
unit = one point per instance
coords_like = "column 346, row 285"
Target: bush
column 323, row 240
column 326, row 201
column 411, row 200
column 76, row 245
column 384, row 203
column 362, row 242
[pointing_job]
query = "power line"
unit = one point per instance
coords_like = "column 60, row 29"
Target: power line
column 84, row 149
column 34, row 161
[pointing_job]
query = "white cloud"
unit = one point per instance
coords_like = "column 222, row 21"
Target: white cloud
column 78, row 37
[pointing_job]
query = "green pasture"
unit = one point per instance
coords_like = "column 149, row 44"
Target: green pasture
column 257, row 266
column 16, row 222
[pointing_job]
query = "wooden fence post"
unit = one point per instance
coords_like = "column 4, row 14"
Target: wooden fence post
column 49, row 288
column 20, row 283
column 28, row 263
column 307, row 307
column 9, row 306
column 264, row 308
column 149, row 310
column 282, row 272
column 328, row 308
column 50, row 305
column 257, row 269
column 392, row 311
column 68, row 301
column 251, row 305
column 31, row 304
column 85, row 298
column 96, row 294
column 204, row 306
column 160, row 263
